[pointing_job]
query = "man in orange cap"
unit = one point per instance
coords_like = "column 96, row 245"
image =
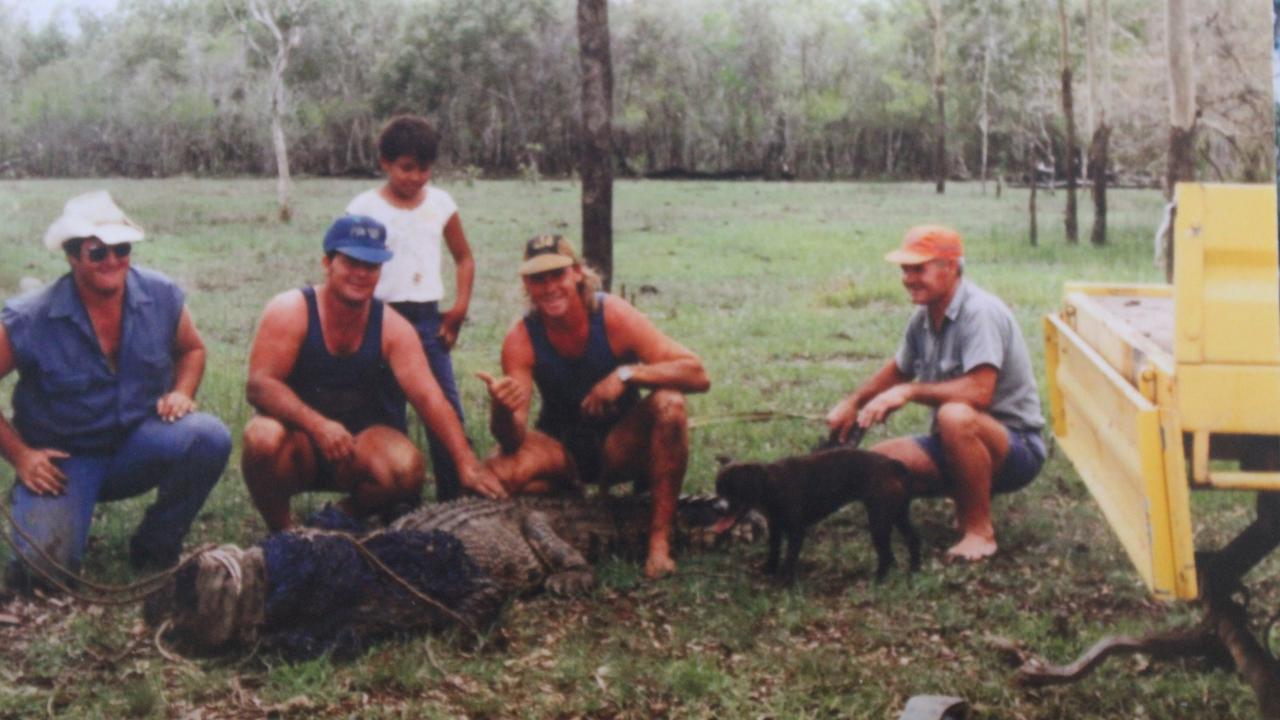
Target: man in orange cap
column 964, row 356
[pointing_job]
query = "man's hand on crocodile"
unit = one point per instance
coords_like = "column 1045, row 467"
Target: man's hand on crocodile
column 481, row 481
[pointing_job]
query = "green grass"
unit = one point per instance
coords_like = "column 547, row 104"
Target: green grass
column 782, row 290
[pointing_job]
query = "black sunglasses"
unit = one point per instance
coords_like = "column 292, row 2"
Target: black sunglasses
column 99, row 253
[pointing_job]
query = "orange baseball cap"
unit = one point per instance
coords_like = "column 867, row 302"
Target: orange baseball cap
column 923, row 243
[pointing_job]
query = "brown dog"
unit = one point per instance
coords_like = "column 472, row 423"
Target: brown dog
column 796, row 492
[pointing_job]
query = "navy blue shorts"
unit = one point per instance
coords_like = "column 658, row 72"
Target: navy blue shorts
column 1022, row 463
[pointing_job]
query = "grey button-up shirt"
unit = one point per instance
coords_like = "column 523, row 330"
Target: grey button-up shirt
column 978, row 329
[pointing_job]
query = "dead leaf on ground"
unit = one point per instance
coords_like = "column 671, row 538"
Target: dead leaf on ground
column 1009, row 650
column 295, row 704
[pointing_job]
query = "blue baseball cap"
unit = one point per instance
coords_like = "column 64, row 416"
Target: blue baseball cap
column 358, row 236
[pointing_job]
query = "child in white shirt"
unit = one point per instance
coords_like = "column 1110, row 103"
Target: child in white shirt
column 420, row 218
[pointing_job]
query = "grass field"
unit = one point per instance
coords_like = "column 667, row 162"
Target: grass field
column 782, row 291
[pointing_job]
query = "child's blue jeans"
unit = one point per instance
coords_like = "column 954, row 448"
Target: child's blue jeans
column 425, row 318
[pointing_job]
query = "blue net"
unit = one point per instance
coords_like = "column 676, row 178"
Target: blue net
column 323, row 596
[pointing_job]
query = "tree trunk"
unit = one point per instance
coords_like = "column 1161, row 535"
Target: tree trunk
column 287, row 35
column 1099, row 160
column 1099, row 150
column 1031, row 204
column 1182, row 109
column 984, row 118
column 597, row 142
column 775, row 155
column 940, row 97
column 1068, row 113
column 888, row 153
column 1090, row 81
column 283, row 182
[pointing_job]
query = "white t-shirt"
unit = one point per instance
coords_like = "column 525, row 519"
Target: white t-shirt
column 415, row 237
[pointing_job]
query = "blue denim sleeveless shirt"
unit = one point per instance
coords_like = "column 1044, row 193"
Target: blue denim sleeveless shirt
column 68, row 396
column 357, row 390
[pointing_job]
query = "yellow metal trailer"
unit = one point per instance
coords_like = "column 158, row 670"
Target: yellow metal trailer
column 1149, row 383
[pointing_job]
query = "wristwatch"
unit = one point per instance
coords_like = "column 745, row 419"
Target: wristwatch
column 625, row 373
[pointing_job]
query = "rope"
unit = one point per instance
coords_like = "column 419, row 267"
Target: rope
column 382, row 567
column 750, row 416
column 127, row 594
column 140, row 590
column 137, row 591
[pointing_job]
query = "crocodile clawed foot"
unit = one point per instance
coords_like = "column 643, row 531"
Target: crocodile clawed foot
column 571, row 582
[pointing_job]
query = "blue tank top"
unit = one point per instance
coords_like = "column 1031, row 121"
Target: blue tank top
column 563, row 382
column 357, row 390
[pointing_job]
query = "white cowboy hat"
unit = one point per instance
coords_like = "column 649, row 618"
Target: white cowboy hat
column 93, row 214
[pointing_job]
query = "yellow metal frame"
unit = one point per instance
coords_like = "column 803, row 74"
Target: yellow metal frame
column 1227, row 322
column 1114, row 436
column 1121, row 405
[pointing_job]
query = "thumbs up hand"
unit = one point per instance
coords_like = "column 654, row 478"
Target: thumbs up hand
column 505, row 391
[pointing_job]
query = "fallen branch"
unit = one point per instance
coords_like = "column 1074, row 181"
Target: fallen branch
column 1222, row 637
column 1258, row 668
column 1180, row 642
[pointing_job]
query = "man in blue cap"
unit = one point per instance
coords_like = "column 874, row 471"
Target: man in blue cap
column 329, row 373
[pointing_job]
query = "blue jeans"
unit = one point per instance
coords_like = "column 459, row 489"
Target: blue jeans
column 183, row 459
column 425, row 318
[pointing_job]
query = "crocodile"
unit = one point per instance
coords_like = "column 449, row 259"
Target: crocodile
column 311, row 590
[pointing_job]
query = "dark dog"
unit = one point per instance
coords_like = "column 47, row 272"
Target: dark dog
column 796, row 492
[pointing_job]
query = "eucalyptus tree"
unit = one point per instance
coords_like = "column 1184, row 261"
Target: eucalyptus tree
column 283, row 21
column 984, row 89
column 10, row 52
column 1182, row 94
column 334, row 79
column 938, row 31
column 655, row 64
column 597, row 142
column 992, row 76
column 1098, row 29
column 814, row 88
column 831, row 96
column 1182, row 109
column 497, row 77
column 897, row 100
column 1070, row 221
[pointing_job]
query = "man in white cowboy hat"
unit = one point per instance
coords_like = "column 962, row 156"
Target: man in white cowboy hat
column 612, row 387
column 108, row 362
column 329, row 373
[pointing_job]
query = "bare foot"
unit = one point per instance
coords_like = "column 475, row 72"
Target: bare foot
column 659, row 566
column 972, row 547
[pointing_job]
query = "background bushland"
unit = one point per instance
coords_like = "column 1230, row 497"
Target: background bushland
column 815, row 89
